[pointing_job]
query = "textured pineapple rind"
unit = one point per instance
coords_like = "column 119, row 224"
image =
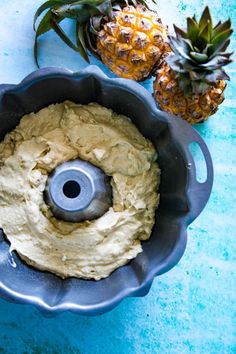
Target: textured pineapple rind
column 133, row 43
column 194, row 108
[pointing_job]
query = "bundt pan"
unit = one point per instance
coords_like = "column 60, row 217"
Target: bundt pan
column 182, row 196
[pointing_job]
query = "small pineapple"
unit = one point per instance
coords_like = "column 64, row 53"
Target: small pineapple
column 130, row 39
column 190, row 81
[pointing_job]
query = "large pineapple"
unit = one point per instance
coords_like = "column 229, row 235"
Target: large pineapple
column 128, row 38
column 190, row 82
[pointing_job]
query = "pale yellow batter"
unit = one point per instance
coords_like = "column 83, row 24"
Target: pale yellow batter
column 62, row 132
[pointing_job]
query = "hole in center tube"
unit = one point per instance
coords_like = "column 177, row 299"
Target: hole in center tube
column 71, row 189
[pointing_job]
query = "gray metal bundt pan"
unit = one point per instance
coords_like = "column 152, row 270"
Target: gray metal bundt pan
column 182, row 197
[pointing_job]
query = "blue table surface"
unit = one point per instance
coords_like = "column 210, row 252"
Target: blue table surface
column 190, row 309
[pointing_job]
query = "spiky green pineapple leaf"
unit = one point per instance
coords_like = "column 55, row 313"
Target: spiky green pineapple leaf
column 80, row 40
column 221, row 27
column 189, row 44
column 227, row 55
column 220, row 39
column 178, row 46
column 216, row 62
column 192, row 29
column 179, row 32
column 59, row 31
column 217, row 25
column 45, row 24
column 200, row 43
column 105, row 8
column 47, row 5
column 175, row 64
column 216, row 75
column 180, row 66
column 69, row 11
column 225, row 46
column 50, row 4
column 206, row 33
column 81, row 10
column 205, row 19
column 199, row 57
column 89, row 41
column 43, row 27
column 95, row 24
column 218, row 48
column 207, row 49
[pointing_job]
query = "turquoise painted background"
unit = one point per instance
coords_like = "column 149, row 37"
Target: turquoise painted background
column 191, row 309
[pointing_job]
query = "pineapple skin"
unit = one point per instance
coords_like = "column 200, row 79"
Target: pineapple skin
column 194, row 108
column 133, row 43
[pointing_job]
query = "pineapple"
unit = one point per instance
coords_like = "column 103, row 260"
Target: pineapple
column 130, row 39
column 190, row 81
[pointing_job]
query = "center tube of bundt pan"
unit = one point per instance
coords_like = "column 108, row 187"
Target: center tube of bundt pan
column 77, row 191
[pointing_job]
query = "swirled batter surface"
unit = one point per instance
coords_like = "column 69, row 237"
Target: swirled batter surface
column 62, row 132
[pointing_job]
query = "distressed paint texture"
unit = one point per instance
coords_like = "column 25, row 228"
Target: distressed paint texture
column 191, row 309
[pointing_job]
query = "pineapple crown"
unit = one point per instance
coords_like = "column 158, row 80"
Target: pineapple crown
column 89, row 16
column 199, row 53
